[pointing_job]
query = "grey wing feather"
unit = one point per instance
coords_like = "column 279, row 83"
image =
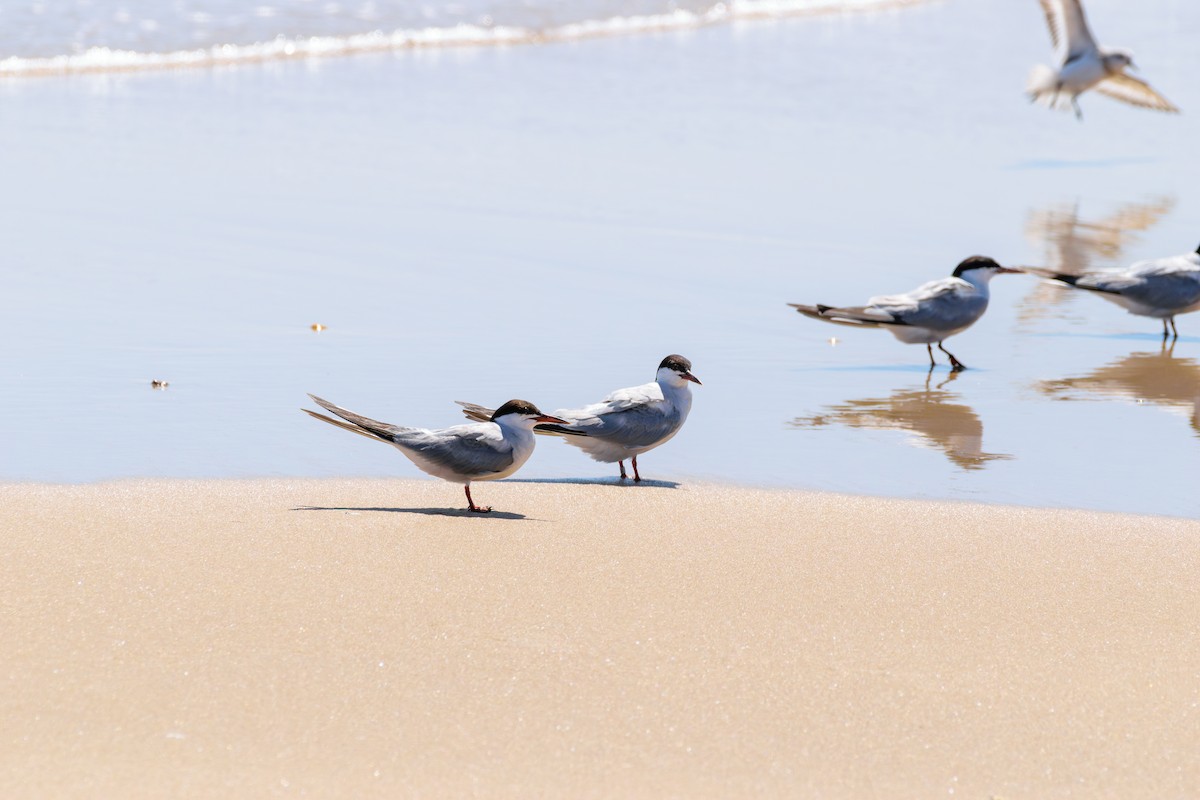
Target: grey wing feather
column 466, row 449
column 636, row 426
column 948, row 304
column 1160, row 291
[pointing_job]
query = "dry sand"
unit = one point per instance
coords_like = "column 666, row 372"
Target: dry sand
column 352, row 639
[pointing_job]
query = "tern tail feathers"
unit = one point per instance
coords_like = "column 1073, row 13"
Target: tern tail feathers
column 375, row 428
column 346, row 426
column 1043, row 89
column 1067, row 278
column 861, row 317
column 476, row 412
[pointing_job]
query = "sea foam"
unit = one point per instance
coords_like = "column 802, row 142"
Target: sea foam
column 105, row 59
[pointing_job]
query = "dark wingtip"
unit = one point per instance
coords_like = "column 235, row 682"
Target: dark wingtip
column 550, row 427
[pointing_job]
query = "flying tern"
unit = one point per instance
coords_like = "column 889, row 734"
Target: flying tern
column 927, row 315
column 1159, row 288
column 487, row 451
column 1083, row 64
column 628, row 422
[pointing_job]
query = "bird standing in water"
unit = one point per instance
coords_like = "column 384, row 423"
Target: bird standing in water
column 1158, row 288
column 929, row 314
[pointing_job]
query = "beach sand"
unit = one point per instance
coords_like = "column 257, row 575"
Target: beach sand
column 355, row 638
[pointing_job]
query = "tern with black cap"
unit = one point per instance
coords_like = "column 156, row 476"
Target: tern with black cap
column 1158, row 288
column 486, row 451
column 929, row 314
column 628, row 422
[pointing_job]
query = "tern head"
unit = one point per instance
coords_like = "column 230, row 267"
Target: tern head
column 980, row 268
column 1117, row 60
column 522, row 414
column 676, row 371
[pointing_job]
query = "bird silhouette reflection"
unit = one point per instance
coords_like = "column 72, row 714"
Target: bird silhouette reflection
column 938, row 418
column 1159, row 378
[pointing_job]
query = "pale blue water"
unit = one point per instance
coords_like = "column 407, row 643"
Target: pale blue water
column 549, row 221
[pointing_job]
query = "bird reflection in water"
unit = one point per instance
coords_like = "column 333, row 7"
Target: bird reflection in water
column 937, row 417
column 1159, row 378
column 1074, row 245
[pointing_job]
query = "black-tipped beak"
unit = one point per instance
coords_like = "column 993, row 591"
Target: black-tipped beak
column 687, row 376
column 548, row 418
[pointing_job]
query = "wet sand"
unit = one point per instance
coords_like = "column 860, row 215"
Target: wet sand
column 355, row 638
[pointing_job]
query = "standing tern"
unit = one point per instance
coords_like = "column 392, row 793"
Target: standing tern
column 628, row 422
column 1159, row 287
column 1083, row 64
column 487, row 451
column 927, row 315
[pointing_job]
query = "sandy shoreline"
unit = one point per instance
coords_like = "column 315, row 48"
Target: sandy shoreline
column 345, row 638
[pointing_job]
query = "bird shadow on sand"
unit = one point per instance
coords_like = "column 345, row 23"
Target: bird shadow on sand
column 431, row 512
column 617, row 482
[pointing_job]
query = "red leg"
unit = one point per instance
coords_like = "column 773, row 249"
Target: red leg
column 621, row 464
column 471, row 503
column 636, row 476
column 955, row 364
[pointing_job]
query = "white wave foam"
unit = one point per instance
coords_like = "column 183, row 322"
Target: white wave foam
column 104, row 59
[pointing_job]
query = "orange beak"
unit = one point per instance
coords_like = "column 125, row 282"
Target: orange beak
column 687, row 376
column 548, row 418
column 1014, row 270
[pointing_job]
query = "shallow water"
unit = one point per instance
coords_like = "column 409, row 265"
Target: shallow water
column 549, row 221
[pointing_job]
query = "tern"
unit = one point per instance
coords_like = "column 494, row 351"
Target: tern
column 927, row 315
column 1083, row 64
column 628, row 422
column 486, row 451
column 1159, row 287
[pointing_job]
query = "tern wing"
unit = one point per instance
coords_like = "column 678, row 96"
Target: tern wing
column 632, row 424
column 1166, row 283
column 468, row 450
column 1135, row 91
column 1068, row 29
column 946, row 304
column 358, row 423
